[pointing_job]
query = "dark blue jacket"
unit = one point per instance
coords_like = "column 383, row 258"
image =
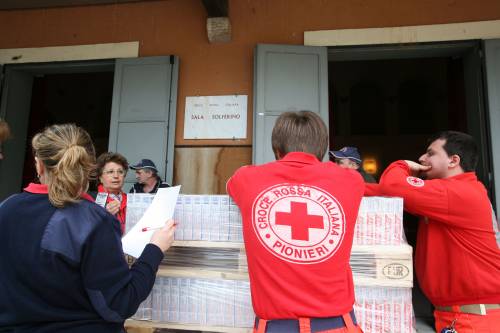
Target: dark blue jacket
column 139, row 188
column 63, row 270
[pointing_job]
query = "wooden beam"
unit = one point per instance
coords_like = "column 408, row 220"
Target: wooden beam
column 70, row 53
column 401, row 35
column 130, row 323
column 216, row 8
column 33, row 4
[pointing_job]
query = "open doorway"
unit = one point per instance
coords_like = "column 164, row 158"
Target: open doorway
column 396, row 97
column 115, row 100
column 387, row 100
column 387, row 108
column 80, row 98
column 38, row 95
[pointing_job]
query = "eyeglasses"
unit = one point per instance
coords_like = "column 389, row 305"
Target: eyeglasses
column 120, row 172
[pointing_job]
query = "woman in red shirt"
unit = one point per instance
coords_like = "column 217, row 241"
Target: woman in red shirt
column 111, row 170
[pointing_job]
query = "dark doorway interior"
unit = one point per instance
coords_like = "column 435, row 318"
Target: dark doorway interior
column 388, row 108
column 81, row 98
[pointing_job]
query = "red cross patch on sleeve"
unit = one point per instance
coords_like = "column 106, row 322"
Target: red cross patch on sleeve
column 414, row 181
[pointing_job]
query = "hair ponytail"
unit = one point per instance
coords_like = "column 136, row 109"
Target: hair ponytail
column 69, row 159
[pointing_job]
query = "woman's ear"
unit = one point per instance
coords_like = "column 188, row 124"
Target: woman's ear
column 40, row 168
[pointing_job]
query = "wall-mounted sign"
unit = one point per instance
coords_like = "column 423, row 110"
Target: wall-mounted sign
column 216, row 117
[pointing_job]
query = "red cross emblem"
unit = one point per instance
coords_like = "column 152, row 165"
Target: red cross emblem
column 299, row 220
column 414, row 181
column 298, row 223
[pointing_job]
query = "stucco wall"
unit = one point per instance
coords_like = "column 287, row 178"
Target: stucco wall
column 179, row 27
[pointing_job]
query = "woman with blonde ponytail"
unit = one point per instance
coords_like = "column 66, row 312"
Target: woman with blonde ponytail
column 64, row 159
column 62, row 268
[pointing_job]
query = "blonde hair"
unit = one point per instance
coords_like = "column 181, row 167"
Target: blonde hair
column 68, row 155
column 4, row 131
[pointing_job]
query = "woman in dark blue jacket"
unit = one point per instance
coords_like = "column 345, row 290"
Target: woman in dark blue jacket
column 62, row 268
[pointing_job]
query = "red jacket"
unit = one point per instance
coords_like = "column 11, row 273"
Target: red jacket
column 457, row 257
column 122, row 213
column 298, row 224
column 372, row 190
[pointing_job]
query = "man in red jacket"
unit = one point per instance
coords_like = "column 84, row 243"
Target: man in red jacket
column 298, row 225
column 457, row 254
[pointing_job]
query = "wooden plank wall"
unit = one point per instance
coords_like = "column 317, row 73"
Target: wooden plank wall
column 205, row 170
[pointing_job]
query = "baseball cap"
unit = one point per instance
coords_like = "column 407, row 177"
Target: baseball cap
column 144, row 164
column 347, row 152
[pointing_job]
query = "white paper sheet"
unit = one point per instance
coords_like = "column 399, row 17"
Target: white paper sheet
column 161, row 209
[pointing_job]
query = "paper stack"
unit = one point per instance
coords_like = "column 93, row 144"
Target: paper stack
column 381, row 262
column 380, row 222
column 199, row 301
column 228, row 303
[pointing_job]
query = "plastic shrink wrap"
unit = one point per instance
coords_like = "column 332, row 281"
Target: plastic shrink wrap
column 204, row 280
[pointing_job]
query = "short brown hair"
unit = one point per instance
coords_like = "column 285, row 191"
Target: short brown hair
column 68, row 155
column 105, row 158
column 4, row 131
column 302, row 131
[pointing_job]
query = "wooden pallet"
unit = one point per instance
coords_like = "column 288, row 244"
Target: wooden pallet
column 142, row 326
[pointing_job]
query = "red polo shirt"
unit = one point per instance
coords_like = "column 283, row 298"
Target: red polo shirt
column 298, row 224
column 457, row 258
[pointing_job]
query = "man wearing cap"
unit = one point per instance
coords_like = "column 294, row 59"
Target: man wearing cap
column 349, row 158
column 147, row 177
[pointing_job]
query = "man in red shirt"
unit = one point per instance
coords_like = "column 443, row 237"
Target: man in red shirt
column 457, row 254
column 298, row 225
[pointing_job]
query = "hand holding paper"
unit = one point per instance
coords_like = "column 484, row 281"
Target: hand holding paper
column 164, row 237
column 160, row 210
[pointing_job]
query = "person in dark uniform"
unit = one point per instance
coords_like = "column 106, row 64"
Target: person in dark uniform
column 147, row 177
column 62, row 264
column 349, row 158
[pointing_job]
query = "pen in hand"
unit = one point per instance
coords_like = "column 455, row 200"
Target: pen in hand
column 150, row 228
column 164, row 237
column 154, row 228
